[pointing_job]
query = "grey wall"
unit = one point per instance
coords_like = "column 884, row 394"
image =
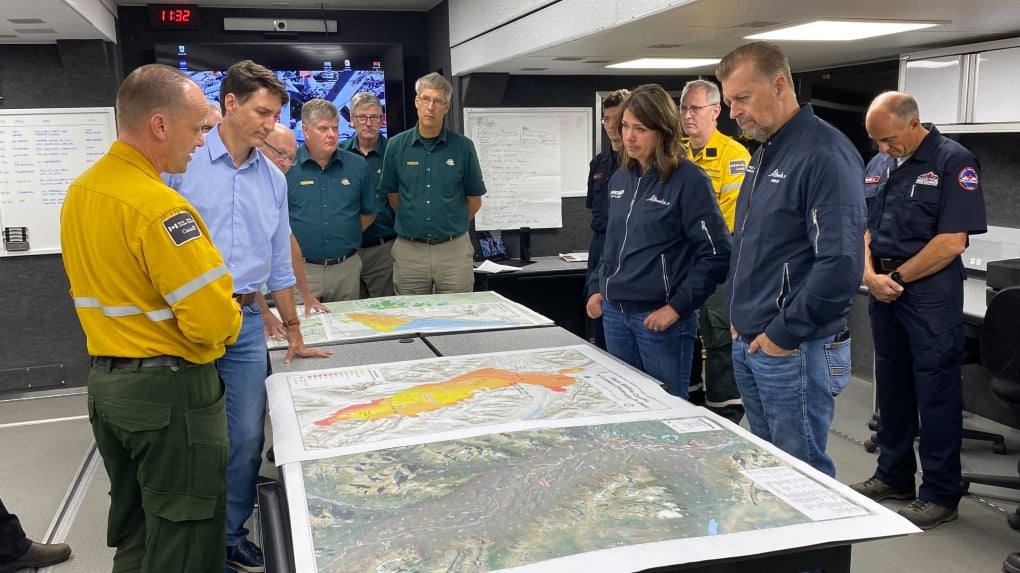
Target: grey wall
column 43, row 346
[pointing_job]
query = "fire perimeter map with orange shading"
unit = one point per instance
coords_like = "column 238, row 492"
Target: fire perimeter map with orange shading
column 390, row 316
column 324, row 413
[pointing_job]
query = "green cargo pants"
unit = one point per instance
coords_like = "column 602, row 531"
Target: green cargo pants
column 162, row 432
column 721, row 393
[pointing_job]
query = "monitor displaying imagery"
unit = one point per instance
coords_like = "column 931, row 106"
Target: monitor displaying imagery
column 332, row 72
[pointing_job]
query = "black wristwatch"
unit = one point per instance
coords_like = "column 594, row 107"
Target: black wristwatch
column 897, row 278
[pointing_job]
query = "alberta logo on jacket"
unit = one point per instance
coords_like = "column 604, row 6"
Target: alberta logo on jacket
column 616, row 193
column 655, row 199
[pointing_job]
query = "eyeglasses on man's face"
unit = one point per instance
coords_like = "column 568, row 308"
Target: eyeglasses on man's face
column 695, row 109
column 281, row 154
column 368, row 118
column 427, row 101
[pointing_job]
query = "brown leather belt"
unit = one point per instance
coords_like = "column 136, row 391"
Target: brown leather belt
column 244, row 299
column 163, row 361
column 886, row 265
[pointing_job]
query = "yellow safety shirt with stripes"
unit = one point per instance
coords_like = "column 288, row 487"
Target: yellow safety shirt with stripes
column 145, row 276
column 725, row 161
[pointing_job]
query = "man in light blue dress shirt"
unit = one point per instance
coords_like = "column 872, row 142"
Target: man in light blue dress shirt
column 242, row 198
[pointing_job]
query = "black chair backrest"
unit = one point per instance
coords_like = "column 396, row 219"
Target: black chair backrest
column 1000, row 335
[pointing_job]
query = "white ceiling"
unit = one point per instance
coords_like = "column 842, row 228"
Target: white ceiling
column 704, row 28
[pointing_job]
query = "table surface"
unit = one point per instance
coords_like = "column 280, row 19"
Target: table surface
column 554, row 265
column 355, row 354
column 460, row 344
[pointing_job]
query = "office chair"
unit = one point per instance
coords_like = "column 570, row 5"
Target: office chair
column 971, row 355
column 1000, row 355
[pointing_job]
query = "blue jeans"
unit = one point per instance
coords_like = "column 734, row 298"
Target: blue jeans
column 790, row 400
column 663, row 355
column 243, row 369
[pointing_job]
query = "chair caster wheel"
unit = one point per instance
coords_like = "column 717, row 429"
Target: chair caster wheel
column 870, row 446
column 1014, row 520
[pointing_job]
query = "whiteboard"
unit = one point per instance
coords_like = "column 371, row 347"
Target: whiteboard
column 530, row 159
column 41, row 152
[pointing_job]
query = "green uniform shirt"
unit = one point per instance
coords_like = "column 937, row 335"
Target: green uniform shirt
column 326, row 204
column 382, row 227
column 432, row 185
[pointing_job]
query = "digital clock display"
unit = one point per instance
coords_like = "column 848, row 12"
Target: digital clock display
column 173, row 16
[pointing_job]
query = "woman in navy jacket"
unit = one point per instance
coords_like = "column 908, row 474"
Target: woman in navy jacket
column 667, row 245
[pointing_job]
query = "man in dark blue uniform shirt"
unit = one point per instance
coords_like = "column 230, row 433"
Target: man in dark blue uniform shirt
column 600, row 169
column 924, row 199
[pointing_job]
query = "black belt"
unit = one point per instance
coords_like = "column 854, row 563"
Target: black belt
column 331, row 262
column 368, row 243
column 244, row 299
column 431, row 241
column 886, row 265
column 163, row 361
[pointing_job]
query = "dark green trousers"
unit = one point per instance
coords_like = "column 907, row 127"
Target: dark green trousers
column 721, row 393
column 162, row 433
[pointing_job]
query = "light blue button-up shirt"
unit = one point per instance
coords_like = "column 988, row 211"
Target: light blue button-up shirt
column 245, row 210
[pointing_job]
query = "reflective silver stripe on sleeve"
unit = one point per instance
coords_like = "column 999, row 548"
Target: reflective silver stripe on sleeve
column 730, row 187
column 125, row 310
column 194, row 284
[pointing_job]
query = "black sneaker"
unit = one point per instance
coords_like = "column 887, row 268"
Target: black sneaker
column 246, row 556
column 1012, row 563
column 926, row 514
column 878, row 490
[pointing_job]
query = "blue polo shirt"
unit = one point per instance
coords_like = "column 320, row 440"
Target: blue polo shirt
column 245, row 209
column 326, row 204
column 382, row 227
column 936, row 190
column 433, row 181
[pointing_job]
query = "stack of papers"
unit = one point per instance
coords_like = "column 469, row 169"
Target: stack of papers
column 574, row 257
column 491, row 267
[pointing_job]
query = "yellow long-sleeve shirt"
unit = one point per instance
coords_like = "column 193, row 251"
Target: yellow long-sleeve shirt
column 145, row 276
column 725, row 161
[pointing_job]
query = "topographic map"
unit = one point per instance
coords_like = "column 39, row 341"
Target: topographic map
column 405, row 315
column 325, row 413
column 609, row 497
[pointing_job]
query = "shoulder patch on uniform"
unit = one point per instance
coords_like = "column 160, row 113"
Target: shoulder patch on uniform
column 738, row 166
column 930, row 179
column 597, row 176
column 872, row 179
column 968, row 179
column 182, row 228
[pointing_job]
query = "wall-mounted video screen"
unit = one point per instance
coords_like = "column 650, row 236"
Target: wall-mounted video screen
column 334, row 72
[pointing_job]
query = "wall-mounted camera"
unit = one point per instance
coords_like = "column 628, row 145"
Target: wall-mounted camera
column 280, row 25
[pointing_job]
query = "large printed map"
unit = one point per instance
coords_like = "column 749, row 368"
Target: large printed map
column 406, row 315
column 331, row 412
column 656, row 492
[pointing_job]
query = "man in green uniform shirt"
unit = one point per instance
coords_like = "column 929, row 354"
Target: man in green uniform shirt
column 434, row 183
column 377, row 240
column 331, row 200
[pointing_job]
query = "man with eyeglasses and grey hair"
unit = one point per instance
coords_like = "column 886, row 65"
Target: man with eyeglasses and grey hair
column 332, row 200
column 725, row 161
column 434, row 183
column 377, row 241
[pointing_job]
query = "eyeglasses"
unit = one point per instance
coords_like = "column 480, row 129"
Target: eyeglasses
column 607, row 120
column 368, row 118
column 695, row 109
column 427, row 101
column 281, row 153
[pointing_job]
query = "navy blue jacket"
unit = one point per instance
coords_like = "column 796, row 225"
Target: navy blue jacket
column 935, row 191
column 798, row 255
column 666, row 243
column 600, row 169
